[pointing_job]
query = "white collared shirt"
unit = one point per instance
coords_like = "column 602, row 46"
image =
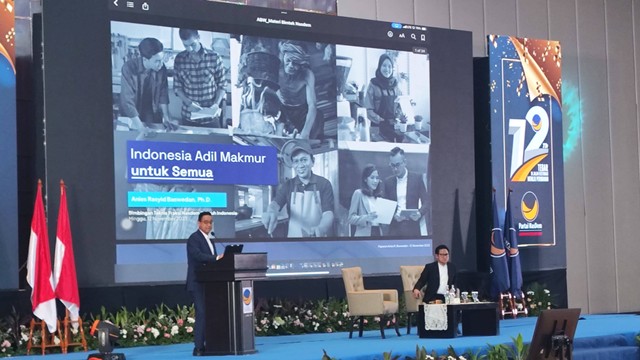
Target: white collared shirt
column 444, row 278
column 206, row 236
column 401, row 191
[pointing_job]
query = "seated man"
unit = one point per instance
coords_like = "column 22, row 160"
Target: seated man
column 437, row 275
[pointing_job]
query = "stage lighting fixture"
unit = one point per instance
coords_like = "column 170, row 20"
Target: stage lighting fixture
column 107, row 334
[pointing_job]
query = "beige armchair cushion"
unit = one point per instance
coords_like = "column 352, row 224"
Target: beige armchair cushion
column 410, row 275
column 367, row 302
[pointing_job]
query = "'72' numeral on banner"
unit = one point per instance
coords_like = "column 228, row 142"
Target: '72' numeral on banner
column 523, row 160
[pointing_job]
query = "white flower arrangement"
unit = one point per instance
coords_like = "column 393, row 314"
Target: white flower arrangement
column 538, row 298
column 174, row 330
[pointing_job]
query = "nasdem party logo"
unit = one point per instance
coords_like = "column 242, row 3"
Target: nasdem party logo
column 529, row 206
column 536, row 122
column 246, row 296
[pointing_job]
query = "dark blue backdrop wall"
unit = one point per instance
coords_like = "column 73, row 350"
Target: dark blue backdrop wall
column 8, row 159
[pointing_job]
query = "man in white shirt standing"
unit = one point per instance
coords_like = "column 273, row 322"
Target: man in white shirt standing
column 200, row 250
column 437, row 275
column 406, row 188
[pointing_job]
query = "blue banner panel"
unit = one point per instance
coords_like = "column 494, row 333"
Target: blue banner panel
column 181, row 200
column 194, row 163
column 526, row 136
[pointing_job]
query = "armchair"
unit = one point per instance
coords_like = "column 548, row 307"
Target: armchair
column 410, row 275
column 364, row 302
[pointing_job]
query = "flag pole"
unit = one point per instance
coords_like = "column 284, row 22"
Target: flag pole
column 39, row 277
column 65, row 276
column 518, row 301
column 499, row 268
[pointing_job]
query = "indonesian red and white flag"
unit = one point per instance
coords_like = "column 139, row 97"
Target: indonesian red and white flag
column 64, row 265
column 39, row 277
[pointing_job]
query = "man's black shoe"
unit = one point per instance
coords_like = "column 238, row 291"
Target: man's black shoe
column 198, row 352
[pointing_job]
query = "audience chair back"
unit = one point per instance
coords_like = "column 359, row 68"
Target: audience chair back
column 410, row 275
column 363, row 302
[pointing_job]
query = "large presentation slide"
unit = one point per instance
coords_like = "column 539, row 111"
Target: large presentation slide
column 303, row 139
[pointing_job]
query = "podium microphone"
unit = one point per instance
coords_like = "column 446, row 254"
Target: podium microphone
column 212, row 237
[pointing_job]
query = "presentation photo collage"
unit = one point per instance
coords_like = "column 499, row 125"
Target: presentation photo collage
column 278, row 138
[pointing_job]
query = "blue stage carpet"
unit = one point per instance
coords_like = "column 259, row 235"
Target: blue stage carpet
column 597, row 337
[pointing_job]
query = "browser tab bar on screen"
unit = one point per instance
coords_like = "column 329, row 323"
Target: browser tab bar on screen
column 256, row 20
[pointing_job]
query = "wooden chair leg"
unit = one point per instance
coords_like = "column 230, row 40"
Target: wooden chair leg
column 383, row 320
column 409, row 322
column 361, row 326
column 395, row 323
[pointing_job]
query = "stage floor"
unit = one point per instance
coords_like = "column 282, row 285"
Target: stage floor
column 594, row 332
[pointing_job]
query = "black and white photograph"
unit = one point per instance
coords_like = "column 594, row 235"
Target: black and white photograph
column 384, row 192
column 383, row 95
column 273, row 4
column 167, row 79
column 329, row 7
column 285, row 88
column 302, row 205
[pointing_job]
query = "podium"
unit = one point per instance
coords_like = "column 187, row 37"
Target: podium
column 228, row 293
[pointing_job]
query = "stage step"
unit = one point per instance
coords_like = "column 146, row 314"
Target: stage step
column 605, row 341
column 608, row 353
column 614, row 347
